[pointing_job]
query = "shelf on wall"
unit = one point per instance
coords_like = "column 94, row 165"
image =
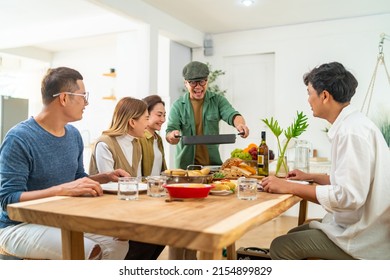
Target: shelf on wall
column 110, row 97
column 113, row 75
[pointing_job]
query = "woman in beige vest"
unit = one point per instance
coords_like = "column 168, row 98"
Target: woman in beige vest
column 119, row 146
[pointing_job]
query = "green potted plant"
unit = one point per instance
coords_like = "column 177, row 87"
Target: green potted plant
column 383, row 123
column 385, row 129
column 293, row 131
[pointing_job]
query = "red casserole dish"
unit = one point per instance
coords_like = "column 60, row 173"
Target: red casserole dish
column 188, row 190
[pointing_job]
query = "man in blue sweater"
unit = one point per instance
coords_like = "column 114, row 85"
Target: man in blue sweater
column 43, row 157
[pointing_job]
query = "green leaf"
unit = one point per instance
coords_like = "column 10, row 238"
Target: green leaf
column 297, row 127
column 273, row 125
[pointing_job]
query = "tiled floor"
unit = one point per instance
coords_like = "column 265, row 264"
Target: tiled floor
column 260, row 236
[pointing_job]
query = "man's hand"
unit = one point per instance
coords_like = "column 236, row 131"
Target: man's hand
column 273, row 184
column 297, row 174
column 80, row 187
column 239, row 124
column 242, row 128
column 171, row 139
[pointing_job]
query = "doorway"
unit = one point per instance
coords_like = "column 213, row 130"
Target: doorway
column 250, row 82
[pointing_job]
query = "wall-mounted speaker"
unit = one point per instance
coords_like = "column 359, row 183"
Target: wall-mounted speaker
column 208, row 45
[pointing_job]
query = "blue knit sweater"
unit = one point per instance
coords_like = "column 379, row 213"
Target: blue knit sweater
column 33, row 159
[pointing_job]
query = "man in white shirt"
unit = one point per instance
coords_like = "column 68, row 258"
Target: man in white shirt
column 356, row 194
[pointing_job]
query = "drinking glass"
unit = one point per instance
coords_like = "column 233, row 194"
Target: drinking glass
column 302, row 154
column 247, row 188
column 128, row 188
column 156, row 186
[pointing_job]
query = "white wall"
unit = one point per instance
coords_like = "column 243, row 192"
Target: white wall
column 299, row 48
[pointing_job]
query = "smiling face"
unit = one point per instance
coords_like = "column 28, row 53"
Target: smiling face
column 197, row 89
column 156, row 117
column 139, row 125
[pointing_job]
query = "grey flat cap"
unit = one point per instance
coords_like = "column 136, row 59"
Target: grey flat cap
column 195, row 70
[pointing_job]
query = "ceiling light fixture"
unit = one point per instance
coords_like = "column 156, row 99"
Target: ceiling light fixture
column 247, row 3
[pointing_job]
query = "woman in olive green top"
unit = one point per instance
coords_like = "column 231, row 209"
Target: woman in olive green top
column 153, row 158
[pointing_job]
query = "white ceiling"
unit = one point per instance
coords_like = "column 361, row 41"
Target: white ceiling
column 220, row 16
column 56, row 25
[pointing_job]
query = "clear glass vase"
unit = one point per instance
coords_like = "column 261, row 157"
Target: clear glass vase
column 281, row 167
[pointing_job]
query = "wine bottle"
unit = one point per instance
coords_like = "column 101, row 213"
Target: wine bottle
column 262, row 157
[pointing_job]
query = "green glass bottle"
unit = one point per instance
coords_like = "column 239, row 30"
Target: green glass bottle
column 262, row 157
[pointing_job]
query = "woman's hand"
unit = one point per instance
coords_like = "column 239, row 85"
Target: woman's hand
column 114, row 175
column 107, row 177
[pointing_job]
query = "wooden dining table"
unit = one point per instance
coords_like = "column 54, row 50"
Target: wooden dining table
column 206, row 225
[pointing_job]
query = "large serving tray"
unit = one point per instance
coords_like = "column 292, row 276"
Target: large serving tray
column 208, row 139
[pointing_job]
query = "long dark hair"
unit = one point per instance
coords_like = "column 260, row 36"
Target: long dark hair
column 152, row 100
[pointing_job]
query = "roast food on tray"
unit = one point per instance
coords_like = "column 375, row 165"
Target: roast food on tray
column 234, row 168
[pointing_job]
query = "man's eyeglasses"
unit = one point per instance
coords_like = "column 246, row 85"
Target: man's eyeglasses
column 85, row 94
column 195, row 83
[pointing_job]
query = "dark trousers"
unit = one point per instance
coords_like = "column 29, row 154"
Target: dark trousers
column 143, row 251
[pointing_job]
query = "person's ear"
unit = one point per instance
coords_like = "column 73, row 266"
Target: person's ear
column 325, row 96
column 132, row 123
column 62, row 99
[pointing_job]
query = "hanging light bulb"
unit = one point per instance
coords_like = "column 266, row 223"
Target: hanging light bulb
column 247, row 3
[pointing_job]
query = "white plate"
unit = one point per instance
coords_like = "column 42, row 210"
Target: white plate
column 299, row 182
column 113, row 187
column 222, row 192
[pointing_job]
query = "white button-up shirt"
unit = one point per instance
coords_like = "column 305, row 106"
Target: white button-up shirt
column 358, row 199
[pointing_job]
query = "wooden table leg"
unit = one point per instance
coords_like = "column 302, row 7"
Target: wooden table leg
column 231, row 252
column 216, row 255
column 72, row 245
column 302, row 212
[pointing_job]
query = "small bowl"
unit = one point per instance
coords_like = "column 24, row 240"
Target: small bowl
column 188, row 190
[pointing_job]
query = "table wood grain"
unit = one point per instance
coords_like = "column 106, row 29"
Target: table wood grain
column 205, row 225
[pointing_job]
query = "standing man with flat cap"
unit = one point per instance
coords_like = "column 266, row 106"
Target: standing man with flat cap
column 198, row 112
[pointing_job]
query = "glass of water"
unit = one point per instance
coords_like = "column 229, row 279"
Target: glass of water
column 128, row 188
column 247, row 188
column 156, row 186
